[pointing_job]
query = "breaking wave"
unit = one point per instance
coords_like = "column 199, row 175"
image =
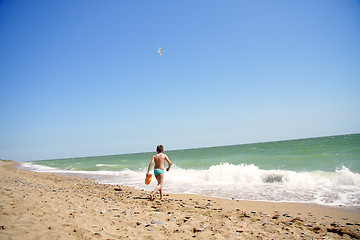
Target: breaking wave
column 243, row 181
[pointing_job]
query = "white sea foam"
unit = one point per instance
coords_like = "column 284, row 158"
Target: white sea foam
column 248, row 182
column 106, row 165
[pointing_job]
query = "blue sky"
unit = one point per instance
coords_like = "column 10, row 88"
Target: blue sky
column 83, row 78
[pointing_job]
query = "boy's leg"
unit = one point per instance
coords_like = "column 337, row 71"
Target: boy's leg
column 160, row 179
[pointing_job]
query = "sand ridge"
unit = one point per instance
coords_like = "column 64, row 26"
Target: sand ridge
column 53, row 206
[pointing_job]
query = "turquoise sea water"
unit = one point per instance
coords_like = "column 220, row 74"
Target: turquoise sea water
column 324, row 170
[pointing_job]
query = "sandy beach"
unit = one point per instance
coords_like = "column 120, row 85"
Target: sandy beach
column 52, row 206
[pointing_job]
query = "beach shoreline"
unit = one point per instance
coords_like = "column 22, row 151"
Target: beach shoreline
column 53, row 206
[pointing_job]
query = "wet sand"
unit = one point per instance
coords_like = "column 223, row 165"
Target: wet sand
column 53, row 206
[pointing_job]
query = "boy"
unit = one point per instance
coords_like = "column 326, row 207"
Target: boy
column 159, row 160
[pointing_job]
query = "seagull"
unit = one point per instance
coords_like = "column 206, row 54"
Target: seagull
column 159, row 51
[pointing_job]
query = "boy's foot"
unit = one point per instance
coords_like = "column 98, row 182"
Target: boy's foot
column 151, row 197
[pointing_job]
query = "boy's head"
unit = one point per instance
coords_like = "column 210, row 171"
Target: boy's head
column 160, row 148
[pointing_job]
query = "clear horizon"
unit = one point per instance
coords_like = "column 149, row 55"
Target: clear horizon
column 85, row 78
column 274, row 141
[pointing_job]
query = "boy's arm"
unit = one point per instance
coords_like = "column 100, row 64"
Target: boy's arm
column 168, row 161
column 151, row 163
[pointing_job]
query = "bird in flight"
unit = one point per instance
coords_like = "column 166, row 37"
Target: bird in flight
column 159, row 51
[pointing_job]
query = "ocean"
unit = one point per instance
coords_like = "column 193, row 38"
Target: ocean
column 324, row 170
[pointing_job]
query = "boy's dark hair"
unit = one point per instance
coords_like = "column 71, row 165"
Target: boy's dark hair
column 159, row 148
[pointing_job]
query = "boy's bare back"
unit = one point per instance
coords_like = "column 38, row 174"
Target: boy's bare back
column 159, row 160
